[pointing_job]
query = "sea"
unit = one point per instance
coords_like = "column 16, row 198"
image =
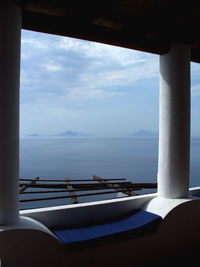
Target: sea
column 135, row 159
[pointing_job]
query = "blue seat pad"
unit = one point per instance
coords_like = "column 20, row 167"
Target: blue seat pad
column 136, row 220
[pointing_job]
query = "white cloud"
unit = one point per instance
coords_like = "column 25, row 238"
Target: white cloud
column 118, row 76
column 91, row 93
column 51, row 66
column 93, row 66
column 30, row 45
column 63, row 79
column 195, row 90
column 34, row 43
column 195, row 74
column 59, row 75
column 101, row 52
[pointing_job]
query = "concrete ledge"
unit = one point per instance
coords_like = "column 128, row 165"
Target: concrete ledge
column 87, row 212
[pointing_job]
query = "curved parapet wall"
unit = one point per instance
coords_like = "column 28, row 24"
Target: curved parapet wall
column 176, row 241
column 162, row 206
column 28, row 243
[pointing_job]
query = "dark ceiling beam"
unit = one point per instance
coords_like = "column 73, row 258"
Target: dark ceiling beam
column 145, row 25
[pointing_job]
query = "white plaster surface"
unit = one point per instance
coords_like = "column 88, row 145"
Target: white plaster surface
column 174, row 123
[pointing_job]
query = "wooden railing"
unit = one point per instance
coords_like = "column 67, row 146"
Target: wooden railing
column 76, row 188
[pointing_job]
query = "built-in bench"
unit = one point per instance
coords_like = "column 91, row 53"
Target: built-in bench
column 137, row 223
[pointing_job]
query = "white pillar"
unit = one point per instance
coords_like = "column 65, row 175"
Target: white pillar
column 174, row 129
column 10, row 35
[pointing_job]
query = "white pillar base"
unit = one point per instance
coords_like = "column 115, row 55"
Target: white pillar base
column 162, row 206
column 26, row 223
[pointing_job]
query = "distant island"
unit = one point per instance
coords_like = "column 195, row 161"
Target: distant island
column 33, row 135
column 63, row 134
column 73, row 134
column 144, row 134
column 70, row 133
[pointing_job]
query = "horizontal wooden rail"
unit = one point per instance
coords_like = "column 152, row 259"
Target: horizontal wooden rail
column 65, row 196
column 71, row 180
column 70, row 190
column 46, row 191
column 146, row 185
column 77, row 186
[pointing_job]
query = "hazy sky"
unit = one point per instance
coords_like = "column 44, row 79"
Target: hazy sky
column 70, row 84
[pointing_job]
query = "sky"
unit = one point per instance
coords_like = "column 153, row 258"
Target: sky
column 102, row 90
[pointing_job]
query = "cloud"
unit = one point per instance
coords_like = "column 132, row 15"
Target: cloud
column 92, row 93
column 51, row 67
column 67, row 64
column 195, row 82
column 34, row 43
column 99, row 51
column 195, row 89
column 67, row 81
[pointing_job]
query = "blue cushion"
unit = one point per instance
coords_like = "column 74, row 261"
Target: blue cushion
column 135, row 221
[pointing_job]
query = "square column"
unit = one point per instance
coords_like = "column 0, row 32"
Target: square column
column 174, row 124
column 10, row 37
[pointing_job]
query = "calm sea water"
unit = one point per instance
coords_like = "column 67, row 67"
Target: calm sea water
column 134, row 159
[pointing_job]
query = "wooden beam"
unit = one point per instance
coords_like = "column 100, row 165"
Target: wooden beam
column 99, row 187
column 71, row 191
column 83, row 186
column 45, row 191
column 115, row 186
column 74, row 180
column 24, row 187
column 67, row 196
column 66, row 186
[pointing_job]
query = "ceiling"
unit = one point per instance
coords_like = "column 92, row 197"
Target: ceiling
column 145, row 25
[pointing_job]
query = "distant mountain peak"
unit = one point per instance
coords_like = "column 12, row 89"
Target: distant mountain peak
column 70, row 133
column 33, row 135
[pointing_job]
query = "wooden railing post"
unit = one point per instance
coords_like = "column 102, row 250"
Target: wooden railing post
column 71, row 191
